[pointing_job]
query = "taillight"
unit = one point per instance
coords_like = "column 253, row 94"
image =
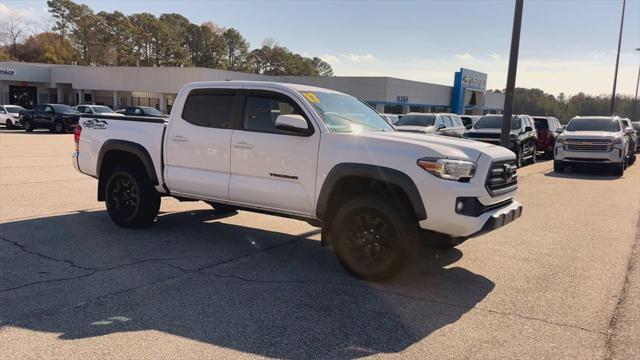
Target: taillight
column 76, row 136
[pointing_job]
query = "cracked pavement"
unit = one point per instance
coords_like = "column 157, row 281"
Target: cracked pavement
column 561, row 282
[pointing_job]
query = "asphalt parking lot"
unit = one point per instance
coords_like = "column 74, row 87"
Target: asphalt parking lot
column 561, row 282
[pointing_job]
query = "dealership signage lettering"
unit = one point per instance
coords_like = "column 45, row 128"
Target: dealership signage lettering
column 402, row 98
column 474, row 80
column 7, row 72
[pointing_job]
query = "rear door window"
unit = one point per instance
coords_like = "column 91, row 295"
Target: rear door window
column 213, row 108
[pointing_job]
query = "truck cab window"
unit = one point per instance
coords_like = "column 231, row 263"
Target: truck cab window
column 261, row 111
column 210, row 108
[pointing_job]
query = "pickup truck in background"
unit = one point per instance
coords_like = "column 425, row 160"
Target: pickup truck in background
column 58, row 118
column 305, row 153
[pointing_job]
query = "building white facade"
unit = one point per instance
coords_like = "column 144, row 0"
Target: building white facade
column 29, row 83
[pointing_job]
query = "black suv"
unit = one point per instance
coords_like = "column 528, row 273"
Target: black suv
column 522, row 139
column 57, row 118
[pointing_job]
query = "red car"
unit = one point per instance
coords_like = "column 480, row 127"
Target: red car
column 547, row 127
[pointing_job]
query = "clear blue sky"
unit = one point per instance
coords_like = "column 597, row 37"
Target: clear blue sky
column 565, row 46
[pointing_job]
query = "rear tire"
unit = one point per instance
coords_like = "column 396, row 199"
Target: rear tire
column 558, row 166
column 520, row 157
column 370, row 238
column 28, row 126
column 131, row 200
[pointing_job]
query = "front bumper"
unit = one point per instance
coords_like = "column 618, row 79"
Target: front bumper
column 613, row 155
column 483, row 224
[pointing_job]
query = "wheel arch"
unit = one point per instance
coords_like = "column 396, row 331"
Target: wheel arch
column 117, row 151
column 391, row 178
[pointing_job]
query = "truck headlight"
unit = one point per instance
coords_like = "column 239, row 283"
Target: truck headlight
column 449, row 169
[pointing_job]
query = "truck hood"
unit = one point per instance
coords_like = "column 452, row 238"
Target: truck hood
column 418, row 129
column 591, row 135
column 442, row 146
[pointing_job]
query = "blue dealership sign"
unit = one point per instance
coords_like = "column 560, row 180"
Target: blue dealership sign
column 466, row 79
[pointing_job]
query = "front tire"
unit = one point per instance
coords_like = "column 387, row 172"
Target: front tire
column 520, row 157
column 558, row 166
column 28, row 126
column 59, row 128
column 9, row 125
column 131, row 200
column 619, row 168
column 369, row 238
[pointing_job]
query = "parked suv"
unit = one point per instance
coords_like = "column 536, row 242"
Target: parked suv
column 438, row 124
column 10, row 115
column 522, row 138
column 633, row 139
column 636, row 127
column 56, row 117
column 593, row 140
column 306, row 153
column 547, row 129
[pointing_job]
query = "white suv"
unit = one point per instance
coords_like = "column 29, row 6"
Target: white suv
column 593, row 140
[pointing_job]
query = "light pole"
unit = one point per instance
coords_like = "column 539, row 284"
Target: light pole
column 511, row 75
column 635, row 99
column 615, row 74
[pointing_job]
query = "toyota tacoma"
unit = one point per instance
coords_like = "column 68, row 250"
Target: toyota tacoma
column 305, row 153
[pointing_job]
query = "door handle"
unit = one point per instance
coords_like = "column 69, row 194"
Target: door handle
column 179, row 138
column 242, row 145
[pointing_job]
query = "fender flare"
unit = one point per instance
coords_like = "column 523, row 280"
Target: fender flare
column 380, row 173
column 130, row 147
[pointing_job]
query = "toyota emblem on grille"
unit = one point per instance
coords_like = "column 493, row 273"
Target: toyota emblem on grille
column 509, row 172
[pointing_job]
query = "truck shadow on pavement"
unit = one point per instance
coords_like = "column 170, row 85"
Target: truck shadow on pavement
column 196, row 276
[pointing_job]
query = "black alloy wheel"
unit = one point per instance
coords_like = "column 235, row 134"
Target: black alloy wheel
column 370, row 239
column 123, row 196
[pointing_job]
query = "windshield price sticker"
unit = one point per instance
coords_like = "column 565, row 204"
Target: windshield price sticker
column 311, row 97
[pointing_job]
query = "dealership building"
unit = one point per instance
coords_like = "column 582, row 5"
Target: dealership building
column 27, row 84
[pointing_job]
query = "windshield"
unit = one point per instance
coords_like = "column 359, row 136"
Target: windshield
column 495, row 122
column 594, row 124
column 60, row 108
column 343, row 113
column 151, row 111
column 14, row 109
column 101, row 109
column 417, row 120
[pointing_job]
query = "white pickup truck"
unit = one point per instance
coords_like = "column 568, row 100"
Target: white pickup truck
column 305, row 153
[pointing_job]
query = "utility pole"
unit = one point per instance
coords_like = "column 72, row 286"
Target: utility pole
column 635, row 100
column 615, row 74
column 511, row 74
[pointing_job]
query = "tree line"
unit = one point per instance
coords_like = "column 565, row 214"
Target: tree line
column 563, row 107
column 80, row 36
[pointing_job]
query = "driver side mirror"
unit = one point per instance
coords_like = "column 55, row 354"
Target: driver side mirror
column 468, row 127
column 440, row 126
column 629, row 131
column 528, row 129
column 294, row 123
column 560, row 130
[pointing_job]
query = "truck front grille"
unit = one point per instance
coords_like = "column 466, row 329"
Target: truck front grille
column 587, row 146
column 502, row 177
